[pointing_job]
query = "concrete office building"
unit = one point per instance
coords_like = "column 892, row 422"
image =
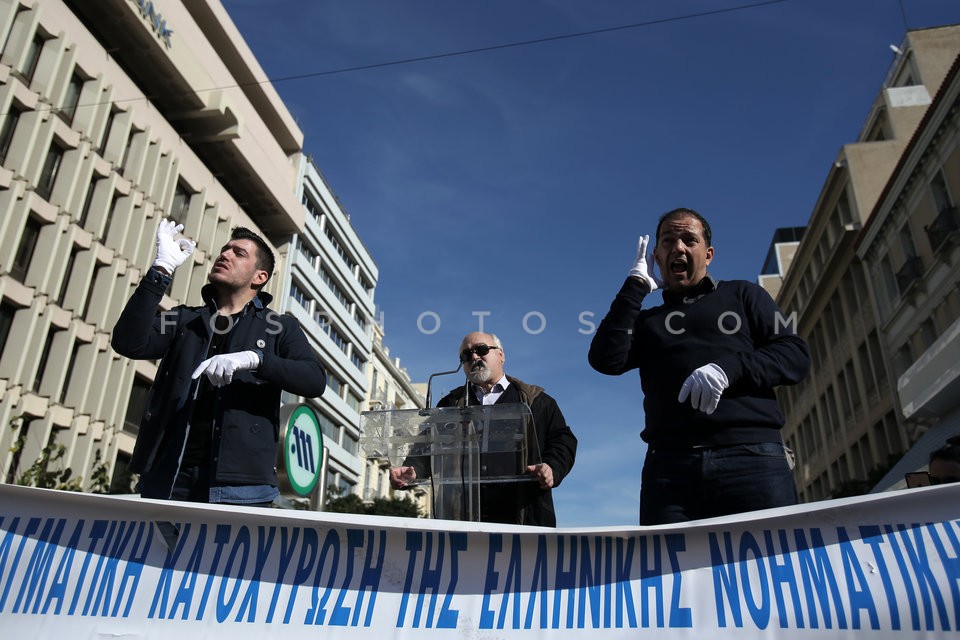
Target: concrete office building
column 113, row 115
column 911, row 249
column 845, row 421
column 329, row 283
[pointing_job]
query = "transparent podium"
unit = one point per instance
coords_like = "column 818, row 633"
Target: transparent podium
column 473, row 458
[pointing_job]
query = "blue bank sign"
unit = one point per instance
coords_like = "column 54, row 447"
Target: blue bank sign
column 157, row 22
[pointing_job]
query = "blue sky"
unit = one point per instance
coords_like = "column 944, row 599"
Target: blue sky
column 513, row 183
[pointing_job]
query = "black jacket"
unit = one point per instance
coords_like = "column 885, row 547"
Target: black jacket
column 735, row 324
column 558, row 448
column 246, row 414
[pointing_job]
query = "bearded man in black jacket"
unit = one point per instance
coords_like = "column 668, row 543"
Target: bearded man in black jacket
column 529, row 503
column 709, row 358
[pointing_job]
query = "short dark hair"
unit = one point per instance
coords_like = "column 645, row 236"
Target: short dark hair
column 683, row 211
column 949, row 452
column 265, row 260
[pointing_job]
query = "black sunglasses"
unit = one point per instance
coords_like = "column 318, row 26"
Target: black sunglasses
column 481, row 350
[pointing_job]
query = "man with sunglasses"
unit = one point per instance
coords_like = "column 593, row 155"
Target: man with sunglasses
column 709, row 358
column 483, row 359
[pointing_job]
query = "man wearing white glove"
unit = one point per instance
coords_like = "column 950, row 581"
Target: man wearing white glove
column 709, row 358
column 210, row 430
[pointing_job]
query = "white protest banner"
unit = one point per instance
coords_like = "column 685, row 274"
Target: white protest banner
column 86, row 566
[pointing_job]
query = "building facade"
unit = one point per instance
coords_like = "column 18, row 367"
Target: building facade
column 911, row 250
column 112, row 117
column 329, row 283
column 844, row 420
column 783, row 247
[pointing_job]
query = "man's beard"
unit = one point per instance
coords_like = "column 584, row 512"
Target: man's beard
column 479, row 375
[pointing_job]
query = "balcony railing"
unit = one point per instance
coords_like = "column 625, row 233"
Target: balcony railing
column 909, row 274
column 943, row 228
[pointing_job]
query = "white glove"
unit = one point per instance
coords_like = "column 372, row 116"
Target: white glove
column 643, row 265
column 704, row 387
column 220, row 368
column 171, row 253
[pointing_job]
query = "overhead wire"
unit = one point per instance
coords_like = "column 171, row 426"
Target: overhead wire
column 450, row 54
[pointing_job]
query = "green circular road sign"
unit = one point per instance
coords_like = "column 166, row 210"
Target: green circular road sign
column 303, row 450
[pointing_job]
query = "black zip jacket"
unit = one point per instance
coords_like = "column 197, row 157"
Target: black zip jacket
column 246, row 412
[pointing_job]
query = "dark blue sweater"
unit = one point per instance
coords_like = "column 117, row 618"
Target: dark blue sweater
column 735, row 324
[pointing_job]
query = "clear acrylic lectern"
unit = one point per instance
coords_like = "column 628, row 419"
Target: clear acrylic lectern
column 471, row 457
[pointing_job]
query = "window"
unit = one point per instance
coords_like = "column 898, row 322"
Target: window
column 329, row 428
column 907, row 247
column 335, row 335
column 7, row 311
column 28, row 242
column 903, row 358
column 44, row 358
column 106, row 130
column 846, row 407
column 852, row 390
column 32, row 58
column 71, row 99
column 335, row 288
column 91, row 290
column 946, row 221
column 940, row 192
column 830, row 406
column 87, row 201
column 928, row 333
column 357, row 361
column 334, row 384
column 350, row 444
column 308, row 253
column 180, row 204
column 889, row 278
column 860, row 282
column 297, row 294
column 332, row 237
column 48, row 175
column 62, row 294
column 22, row 434
column 873, row 343
column 136, row 404
column 125, row 158
column 110, row 214
column 7, row 131
column 321, row 317
column 354, row 401
column 69, row 373
column 843, row 209
column 312, row 207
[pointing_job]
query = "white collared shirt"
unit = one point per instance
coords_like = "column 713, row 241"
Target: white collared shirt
column 495, row 391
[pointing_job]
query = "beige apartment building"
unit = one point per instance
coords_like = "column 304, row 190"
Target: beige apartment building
column 113, row 115
column 845, row 421
column 911, row 249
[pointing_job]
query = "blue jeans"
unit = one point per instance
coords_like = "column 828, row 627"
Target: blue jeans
column 689, row 484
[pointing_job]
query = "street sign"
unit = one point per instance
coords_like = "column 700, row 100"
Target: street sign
column 302, row 452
